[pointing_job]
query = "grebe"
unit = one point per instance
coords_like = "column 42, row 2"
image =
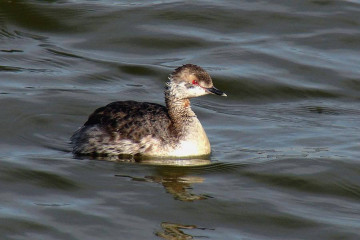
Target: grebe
column 143, row 129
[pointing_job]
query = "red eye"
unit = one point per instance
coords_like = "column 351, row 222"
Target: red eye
column 195, row 82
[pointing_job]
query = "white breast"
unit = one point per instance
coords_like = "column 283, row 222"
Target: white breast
column 193, row 143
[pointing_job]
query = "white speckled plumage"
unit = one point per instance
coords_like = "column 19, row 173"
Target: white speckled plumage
column 149, row 129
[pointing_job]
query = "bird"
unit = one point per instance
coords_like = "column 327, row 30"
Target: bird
column 149, row 130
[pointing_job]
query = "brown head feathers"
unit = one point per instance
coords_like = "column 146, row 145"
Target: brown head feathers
column 190, row 73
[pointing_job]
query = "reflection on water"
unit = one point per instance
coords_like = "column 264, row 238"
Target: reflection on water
column 175, row 180
column 174, row 177
column 191, row 162
column 172, row 231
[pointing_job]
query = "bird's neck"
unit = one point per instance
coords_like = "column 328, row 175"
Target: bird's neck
column 179, row 111
column 187, row 129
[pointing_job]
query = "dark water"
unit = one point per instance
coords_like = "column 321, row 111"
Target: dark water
column 286, row 141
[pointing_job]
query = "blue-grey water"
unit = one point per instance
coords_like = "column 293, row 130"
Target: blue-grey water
column 285, row 160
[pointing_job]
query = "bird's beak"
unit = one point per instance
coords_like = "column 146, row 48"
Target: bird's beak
column 216, row 91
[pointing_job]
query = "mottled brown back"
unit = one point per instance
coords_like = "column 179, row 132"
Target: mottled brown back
column 132, row 120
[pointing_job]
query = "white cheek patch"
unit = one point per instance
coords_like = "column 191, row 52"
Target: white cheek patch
column 197, row 91
column 185, row 90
